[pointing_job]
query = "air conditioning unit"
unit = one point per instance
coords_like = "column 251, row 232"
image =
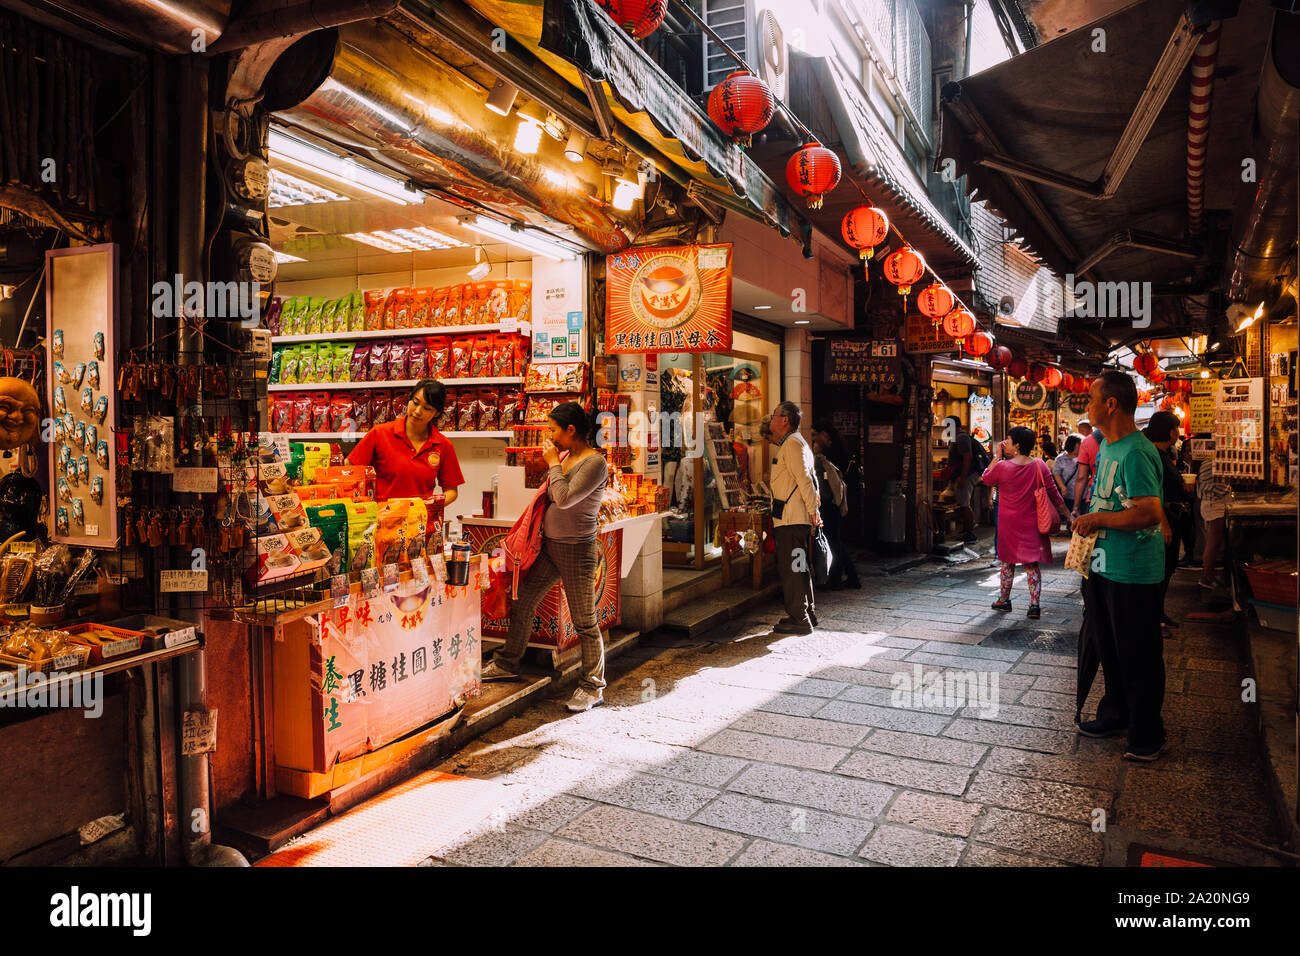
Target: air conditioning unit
column 755, row 33
column 773, row 55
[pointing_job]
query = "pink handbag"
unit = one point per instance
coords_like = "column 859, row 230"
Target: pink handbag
column 1047, row 517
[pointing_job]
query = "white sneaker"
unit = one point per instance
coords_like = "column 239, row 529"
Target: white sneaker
column 492, row 671
column 583, row 701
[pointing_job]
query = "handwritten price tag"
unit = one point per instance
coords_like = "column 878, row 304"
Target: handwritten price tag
column 183, row 581
column 185, row 635
column 199, row 481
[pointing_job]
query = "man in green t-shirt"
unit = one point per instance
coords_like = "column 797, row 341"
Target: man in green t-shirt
column 1121, row 596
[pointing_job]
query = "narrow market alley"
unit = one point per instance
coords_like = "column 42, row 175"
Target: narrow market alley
column 748, row 748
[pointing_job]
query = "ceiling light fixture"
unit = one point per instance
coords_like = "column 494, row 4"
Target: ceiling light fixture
column 502, row 98
column 481, row 268
column 802, row 321
column 625, row 194
column 419, row 239
column 530, row 240
column 554, row 127
column 1205, row 373
column 282, row 257
column 339, row 169
column 289, row 190
column 528, row 137
column 758, row 307
column 575, row 150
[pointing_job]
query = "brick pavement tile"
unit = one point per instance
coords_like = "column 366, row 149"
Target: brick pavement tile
column 1039, row 835
column 1210, row 664
column 1060, row 670
column 905, row 772
column 793, row 704
column 1042, row 717
column 924, row 614
column 1083, row 770
column 1042, row 698
column 884, row 697
column 707, row 770
column 935, row 631
column 919, row 747
column 1038, row 796
column 766, row 853
column 1214, row 741
column 928, row 812
column 1049, row 660
column 905, row 643
column 560, row 853
column 988, row 653
column 549, row 815
column 797, row 753
column 809, row 788
column 489, row 847
column 640, row 834
column 1245, row 796
column 817, row 687
column 979, row 855
column 1212, row 685
column 859, row 677
column 1057, row 685
column 803, row 728
column 799, row 826
column 661, row 796
column 1208, row 825
column 888, row 717
column 742, row 676
column 957, row 662
column 899, row 846
column 1009, row 735
column 970, row 636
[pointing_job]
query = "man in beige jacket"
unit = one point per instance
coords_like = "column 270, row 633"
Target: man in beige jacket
column 794, row 493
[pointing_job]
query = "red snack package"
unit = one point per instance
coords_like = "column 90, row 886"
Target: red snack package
column 460, row 358
column 399, row 403
column 374, row 309
column 467, row 411
column 523, row 349
column 417, row 362
column 489, row 411
column 437, row 306
column 397, row 353
column 341, row 419
column 379, row 361
column 359, row 367
column 439, row 356
column 361, row 411
column 421, row 303
column 483, row 302
column 480, row 362
column 336, row 454
column 320, row 412
column 380, row 408
column 390, row 308
column 511, row 406
column 447, row 420
column 503, row 355
column 301, row 413
column 281, row 414
column 451, row 311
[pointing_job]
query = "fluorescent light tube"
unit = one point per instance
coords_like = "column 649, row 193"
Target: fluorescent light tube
column 525, row 239
column 339, row 169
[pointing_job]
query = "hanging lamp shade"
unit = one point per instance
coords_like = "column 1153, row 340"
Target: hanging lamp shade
column 999, row 357
column 741, row 105
column 1052, row 377
column 1145, row 364
column 638, row 17
column 1156, row 376
column 1067, row 382
column 1082, row 384
column 958, row 323
column 978, row 343
column 1037, row 372
column 1017, row 367
column 812, row 172
column 935, row 301
column 864, row 228
column 904, row 267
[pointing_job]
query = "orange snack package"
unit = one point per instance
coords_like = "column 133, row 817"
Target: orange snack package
column 483, row 303
column 421, row 306
column 451, row 312
column 437, row 306
column 521, row 299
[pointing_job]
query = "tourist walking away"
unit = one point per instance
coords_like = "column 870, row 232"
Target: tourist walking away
column 1214, row 493
column 1162, row 431
column 970, row 460
column 1065, row 466
column 834, row 509
column 1018, row 477
column 1121, row 595
column 795, row 503
column 575, row 484
column 1085, row 467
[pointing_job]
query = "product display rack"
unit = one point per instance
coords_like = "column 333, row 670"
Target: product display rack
column 387, row 333
column 400, row 383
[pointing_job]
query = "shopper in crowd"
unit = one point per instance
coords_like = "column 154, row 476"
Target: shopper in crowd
column 834, row 509
column 1048, row 449
column 575, row 485
column 1214, row 494
column 1017, row 476
column 970, row 458
column 833, row 446
column 410, row 456
column 1064, row 467
column 794, row 495
column 1162, row 431
column 1121, row 595
column 1085, row 465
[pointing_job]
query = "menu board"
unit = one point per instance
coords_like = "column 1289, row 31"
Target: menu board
column 851, row 362
column 1239, row 440
column 1201, row 421
column 920, row 334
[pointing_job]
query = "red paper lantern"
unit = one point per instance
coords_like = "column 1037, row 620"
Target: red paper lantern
column 1145, row 363
column 1067, row 382
column 936, row 301
column 1082, row 385
column 1156, row 376
column 959, row 323
column 978, row 343
column 864, row 228
column 1017, row 367
column 904, row 267
column 741, row 105
column 1144, row 396
column 1052, row 377
column 1037, row 372
column 999, row 358
column 638, row 17
column 813, row 171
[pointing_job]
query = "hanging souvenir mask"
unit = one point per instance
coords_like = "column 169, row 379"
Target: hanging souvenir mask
column 101, row 409
column 97, row 490
column 92, row 375
column 57, row 347
column 65, row 492
column 61, row 373
column 83, row 466
column 79, row 434
column 61, row 521
column 101, row 453
column 99, row 346
column 78, row 373
column 87, row 401
column 60, row 400
column 78, row 513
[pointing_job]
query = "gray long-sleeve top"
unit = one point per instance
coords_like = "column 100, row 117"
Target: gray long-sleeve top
column 575, row 500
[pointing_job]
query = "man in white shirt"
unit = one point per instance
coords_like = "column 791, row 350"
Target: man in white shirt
column 794, row 494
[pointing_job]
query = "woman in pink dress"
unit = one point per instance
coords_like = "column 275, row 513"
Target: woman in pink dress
column 1016, row 476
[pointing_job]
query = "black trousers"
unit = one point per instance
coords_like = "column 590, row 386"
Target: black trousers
column 1122, row 621
column 1171, row 565
column 842, row 567
column 796, row 585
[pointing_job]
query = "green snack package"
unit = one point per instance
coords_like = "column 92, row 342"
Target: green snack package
column 290, row 366
column 273, row 373
column 297, row 454
column 291, row 315
column 307, row 364
column 311, row 323
column 341, row 362
column 357, row 312
column 342, row 314
column 327, row 313
column 331, row 520
column 324, row 362
column 363, row 517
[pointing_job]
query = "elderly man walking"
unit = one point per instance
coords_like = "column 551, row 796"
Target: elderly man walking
column 795, row 501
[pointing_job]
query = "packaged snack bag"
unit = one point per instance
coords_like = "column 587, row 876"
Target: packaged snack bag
column 481, row 291
column 467, row 410
column 451, row 311
column 290, row 314
column 521, row 299
column 320, row 412
column 374, row 299
column 357, row 312
column 301, row 413
column 461, row 350
column 523, row 351
column 324, row 362
column 361, row 411
column 480, row 363
column 287, row 511
column 390, row 308
column 295, row 460
column 327, row 313
column 306, row 364
column 397, row 366
column 511, row 406
column 315, row 455
column 390, row 532
column 503, row 356
column 277, row 360
column 275, row 558
column 379, row 362
column 421, row 300
column 400, row 401
column 439, row 356
column 331, row 521
column 281, row 414
column 341, row 362
column 489, row 411
column 273, row 315
column 343, row 314
column 308, row 544
column 362, row 517
column 380, row 408
column 417, row 362
column 437, row 306
column 404, row 302
column 359, row 363
column 417, row 520
column 289, row 366
column 447, row 420
column 311, row 322
column 341, row 413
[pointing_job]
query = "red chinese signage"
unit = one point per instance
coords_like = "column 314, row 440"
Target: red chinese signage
column 668, row 299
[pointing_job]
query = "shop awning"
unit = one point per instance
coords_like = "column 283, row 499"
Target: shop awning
column 577, row 40
column 1037, row 138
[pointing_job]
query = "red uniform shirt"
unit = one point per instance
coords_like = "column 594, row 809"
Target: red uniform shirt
column 401, row 470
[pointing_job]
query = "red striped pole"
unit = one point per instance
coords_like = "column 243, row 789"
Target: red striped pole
column 1198, row 125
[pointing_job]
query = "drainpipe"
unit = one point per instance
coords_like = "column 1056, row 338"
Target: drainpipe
column 1198, row 125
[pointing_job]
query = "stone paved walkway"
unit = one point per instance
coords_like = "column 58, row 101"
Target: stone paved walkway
column 754, row 748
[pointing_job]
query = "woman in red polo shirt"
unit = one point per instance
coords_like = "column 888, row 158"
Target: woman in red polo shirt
column 410, row 456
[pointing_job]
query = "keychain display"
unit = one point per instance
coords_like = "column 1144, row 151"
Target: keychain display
column 92, row 375
column 88, row 401
column 101, row 453
column 68, row 422
column 97, row 489
column 57, row 346
column 65, row 492
column 79, row 434
column 83, row 469
column 101, row 409
column 61, row 520
column 60, row 400
column 78, row 513
column 61, row 373
column 153, row 440
column 78, row 374
column 92, row 438
column 99, row 346
column 60, row 430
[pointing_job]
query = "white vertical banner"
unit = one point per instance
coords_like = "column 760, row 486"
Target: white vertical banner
column 560, row 310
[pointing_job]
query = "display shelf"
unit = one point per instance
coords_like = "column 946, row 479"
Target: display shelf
column 383, row 333
column 357, row 436
column 402, row 383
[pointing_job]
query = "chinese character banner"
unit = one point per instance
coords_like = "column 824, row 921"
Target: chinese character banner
column 669, row 299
